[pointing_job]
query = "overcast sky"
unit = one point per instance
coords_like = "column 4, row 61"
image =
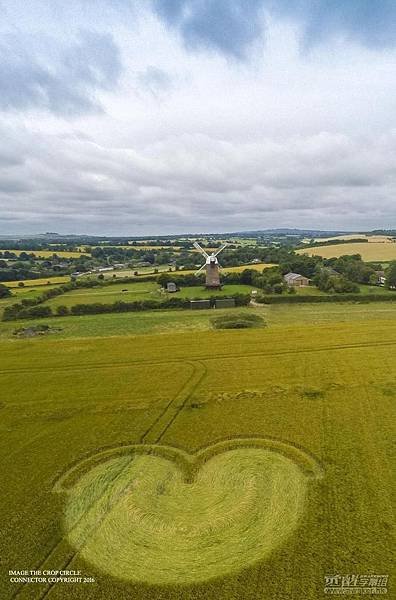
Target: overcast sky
column 138, row 117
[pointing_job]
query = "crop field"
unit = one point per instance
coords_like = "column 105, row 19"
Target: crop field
column 178, row 321
column 371, row 251
column 130, row 272
column 256, row 267
column 357, row 236
column 204, row 465
column 33, row 283
column 165, row 269
column 135, row 247
column 240, row 268
column 50, row 253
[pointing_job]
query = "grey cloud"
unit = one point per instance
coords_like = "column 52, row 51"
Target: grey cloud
column 63, row 80
column 229, row 26
column 194, row 182
column 371, row 23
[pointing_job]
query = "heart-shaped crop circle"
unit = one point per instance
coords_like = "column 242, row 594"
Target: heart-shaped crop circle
column 165, row 519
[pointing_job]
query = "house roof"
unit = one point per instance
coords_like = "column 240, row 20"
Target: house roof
column 294, row 276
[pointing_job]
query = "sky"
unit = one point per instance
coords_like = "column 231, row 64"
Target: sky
column 149, row 117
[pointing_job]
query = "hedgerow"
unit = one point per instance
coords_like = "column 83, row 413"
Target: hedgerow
column 295, row 299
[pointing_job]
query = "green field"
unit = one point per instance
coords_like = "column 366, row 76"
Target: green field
column 146, row 290
column 108, row 294
column 166, row 321
column 364, row 290
column 199, row 465
column 201, row 292
column 23, row 293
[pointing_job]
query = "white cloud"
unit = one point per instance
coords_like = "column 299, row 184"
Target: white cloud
column 195, row 141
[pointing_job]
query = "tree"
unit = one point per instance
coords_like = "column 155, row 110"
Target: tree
column 327, row 281
column 390, row 275
column 21, row 284
column 62, row 310
column 4, row 291
column 247, row 276
column 163, row 279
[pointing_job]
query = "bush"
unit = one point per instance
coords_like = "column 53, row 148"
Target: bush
column 333, row 298
column 35, row 312
column 5, row 292
column 237, row 321
column 242, row 299
column 62, row 310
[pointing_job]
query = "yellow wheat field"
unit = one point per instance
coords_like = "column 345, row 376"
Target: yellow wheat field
column 371, row 251
column 50, row 253
column 36, row 282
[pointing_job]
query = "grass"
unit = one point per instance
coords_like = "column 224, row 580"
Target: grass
column 207, row 464
column 364, row 290
column 144, row 290
column 375, row 289
column 23, row 293
column 201, row 292
column 179, row 321
column 108, row 294
column 372, row 251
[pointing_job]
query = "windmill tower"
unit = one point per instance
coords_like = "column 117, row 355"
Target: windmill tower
column 212, row 267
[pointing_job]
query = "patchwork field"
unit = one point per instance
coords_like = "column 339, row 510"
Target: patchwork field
column 49, row 253
column 371, row 251
column 146, row 290
column 165, row 269
column 210, row 465
column 357, row 236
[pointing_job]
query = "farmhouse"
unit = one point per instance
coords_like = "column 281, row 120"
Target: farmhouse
column 381, row 279
column 296, row 280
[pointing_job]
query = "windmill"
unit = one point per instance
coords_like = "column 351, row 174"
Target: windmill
column 212, row 267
